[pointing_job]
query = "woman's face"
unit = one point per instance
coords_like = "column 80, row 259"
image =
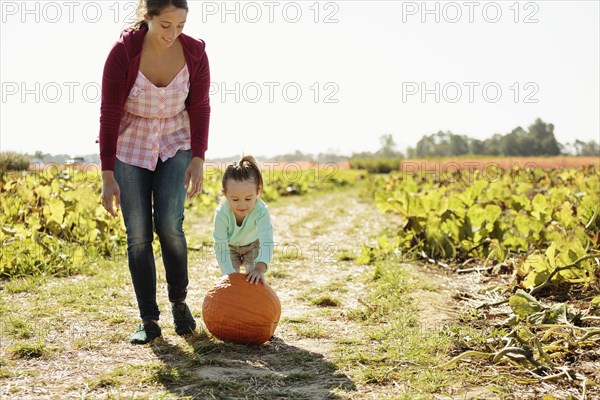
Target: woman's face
column 167, row 26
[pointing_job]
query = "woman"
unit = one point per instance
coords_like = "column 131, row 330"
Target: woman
column 153, row 136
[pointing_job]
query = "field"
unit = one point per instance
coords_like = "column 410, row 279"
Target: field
column 443, row 280
column 445, row 166
column 482, row 163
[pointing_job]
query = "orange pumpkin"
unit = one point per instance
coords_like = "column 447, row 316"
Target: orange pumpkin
column 241, row 312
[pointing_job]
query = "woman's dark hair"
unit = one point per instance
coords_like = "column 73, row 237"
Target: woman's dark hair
column 246, row 169
column 154, row 8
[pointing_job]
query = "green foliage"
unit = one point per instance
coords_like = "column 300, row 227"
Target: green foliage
column 386, row 151
column 538, row 140
column 539, row 220
column 13, row 161
column 581, row 148
column 541, row 223
column 528, row 308
column 376, row 165
column 52, row 221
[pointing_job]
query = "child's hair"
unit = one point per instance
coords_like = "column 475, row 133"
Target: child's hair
column 154, row 8
column 246, row 169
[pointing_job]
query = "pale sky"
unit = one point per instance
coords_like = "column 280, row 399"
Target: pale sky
column 332, row 76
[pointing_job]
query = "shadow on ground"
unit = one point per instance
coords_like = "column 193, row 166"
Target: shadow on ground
column 274, row 370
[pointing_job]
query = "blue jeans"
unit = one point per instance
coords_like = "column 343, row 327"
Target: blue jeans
column 154, row 201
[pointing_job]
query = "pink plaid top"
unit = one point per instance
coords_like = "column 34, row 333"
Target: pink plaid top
column 154, row 123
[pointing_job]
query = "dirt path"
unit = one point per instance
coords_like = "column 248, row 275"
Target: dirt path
column 318, row 283
column 67, row 337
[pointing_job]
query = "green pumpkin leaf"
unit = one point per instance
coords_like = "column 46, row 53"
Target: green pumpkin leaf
column 492, row 213
column 535, row 278
column 539, row 203
column 520, row 202
column 522, row 223
column 54, row 210
column 497, row 252
column 453, row 228
column 476, row 215
column 55, row 186
column 43, row 191
column 470, row 195
column 537, row 270
column 515, row 243
column 550, row 255
column 524, row 304
column 540, row 207
column 565, row 216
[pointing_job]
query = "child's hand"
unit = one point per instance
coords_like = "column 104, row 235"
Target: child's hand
column 257, row 274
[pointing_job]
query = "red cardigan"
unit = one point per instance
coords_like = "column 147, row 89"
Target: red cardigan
column 120, row 72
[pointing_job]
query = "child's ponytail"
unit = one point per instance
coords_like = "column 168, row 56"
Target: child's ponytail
column 246, row 169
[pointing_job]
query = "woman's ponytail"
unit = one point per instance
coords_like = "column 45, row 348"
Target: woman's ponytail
column 153, row 8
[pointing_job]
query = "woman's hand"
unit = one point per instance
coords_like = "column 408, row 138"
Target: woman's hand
column 194, row 175
column 257, row 274
column 110, row 192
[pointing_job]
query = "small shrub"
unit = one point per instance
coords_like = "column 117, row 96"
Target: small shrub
column 13, row 161
column 377, row 165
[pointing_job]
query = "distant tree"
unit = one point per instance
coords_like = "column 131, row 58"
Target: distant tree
column 425, row 147
column 493, row 146
column 363, row 154
column 442, row 144
column 541, row 137
column 538, row 140
column 330, row 157
column 295, row 156
column 13, row 161
column 459, row 145
column 388, row 146
column 476, row 146
column 514, row 143
column 591, row 148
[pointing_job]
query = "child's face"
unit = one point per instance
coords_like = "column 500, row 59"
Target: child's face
column 241, row 196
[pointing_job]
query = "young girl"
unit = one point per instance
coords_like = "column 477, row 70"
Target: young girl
column 242, row 228
column 154, row 119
